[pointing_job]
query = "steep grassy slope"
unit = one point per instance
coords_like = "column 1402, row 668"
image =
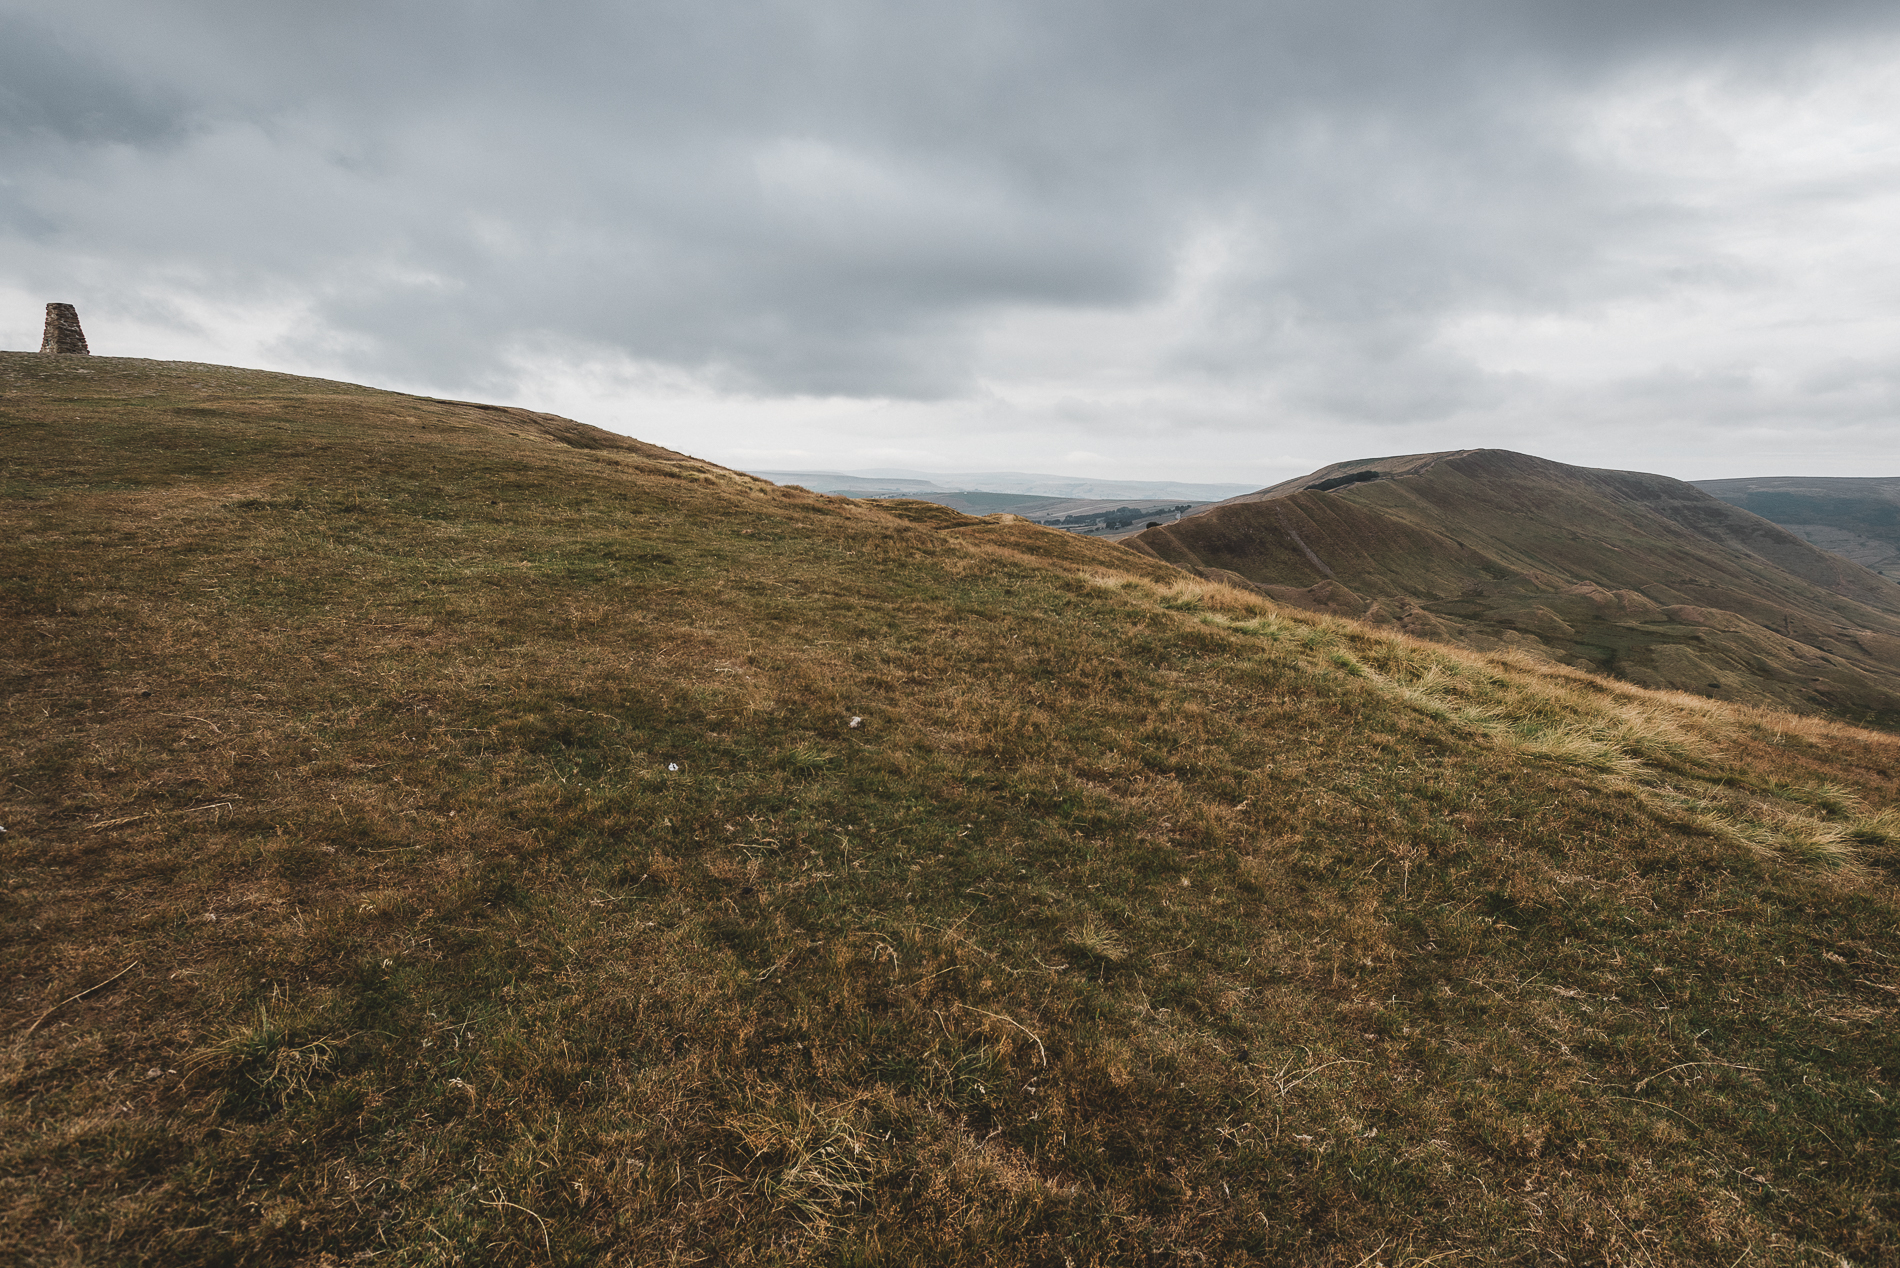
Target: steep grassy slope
column 429, row 841
column 1636, row 575
column 1856, row 517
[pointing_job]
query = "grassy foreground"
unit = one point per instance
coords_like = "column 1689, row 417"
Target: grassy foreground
column 431, row 842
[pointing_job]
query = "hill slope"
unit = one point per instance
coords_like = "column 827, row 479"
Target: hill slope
column 1855, row 517
column 448, row 835
column 1636, row 575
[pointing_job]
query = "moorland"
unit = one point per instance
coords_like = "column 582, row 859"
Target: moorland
column 446, row 834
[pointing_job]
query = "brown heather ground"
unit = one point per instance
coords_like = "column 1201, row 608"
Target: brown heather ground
column 1139, row 922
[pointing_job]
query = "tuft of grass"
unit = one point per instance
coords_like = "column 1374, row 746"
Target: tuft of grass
column 812, row 1164
column 1579, row 747
column 1647, row 732
column 1836, row 799
column 1348, row 662
column 1196, row 595
column 262, row 1068
column 1877, row 829
column 1096, row 940
column 1270, row 627
column 1806, row 840
column 805, row 759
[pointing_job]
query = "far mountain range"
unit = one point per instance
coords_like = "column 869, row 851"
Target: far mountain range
column 1106, row 508
column 899, row 482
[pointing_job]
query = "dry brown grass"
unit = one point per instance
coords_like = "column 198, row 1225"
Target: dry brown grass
column 1138, row 921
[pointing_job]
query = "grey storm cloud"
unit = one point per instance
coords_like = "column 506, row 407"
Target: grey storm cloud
column 834, row 196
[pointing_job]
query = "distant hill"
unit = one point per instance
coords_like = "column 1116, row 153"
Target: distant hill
column 1641, row 576
column 1026, row 483
column 1108, row 515
column 1857, row 517
column 853, row 485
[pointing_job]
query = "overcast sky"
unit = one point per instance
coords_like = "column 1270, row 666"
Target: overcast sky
column 1228, row 240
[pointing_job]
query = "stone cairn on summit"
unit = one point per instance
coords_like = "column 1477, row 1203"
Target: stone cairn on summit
column 62, row 331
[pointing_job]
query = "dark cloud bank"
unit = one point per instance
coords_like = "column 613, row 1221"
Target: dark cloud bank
column 844, row 199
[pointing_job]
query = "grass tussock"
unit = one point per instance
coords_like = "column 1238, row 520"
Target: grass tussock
column 430, row 840
column 811, row 1164
column 1095, row 941
column 264, row 1067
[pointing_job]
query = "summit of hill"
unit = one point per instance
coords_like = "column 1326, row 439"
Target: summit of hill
column 1639, row 576
column 444, row 834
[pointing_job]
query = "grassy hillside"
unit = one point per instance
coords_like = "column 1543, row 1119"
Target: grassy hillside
column 1639, row 576
column 1856, row 517
column 446, row 835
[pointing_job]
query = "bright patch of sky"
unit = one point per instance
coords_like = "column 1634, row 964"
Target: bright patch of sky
column 1231, row 242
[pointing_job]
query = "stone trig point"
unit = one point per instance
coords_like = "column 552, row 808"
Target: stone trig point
column 62, row 331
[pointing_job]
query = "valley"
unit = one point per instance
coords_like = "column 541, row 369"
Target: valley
column 1856, row 517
